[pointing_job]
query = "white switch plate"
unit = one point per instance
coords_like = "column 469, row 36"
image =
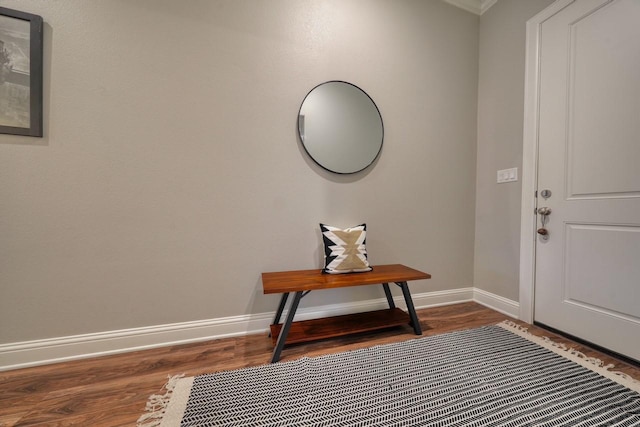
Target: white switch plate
column 507, row 175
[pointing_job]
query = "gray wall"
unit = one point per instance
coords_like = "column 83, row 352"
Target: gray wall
column 170, row 175
column 500, row 120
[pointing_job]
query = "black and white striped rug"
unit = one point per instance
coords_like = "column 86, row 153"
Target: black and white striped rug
column 490, row 376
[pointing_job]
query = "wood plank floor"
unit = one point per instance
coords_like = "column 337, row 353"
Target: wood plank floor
column 113, row 390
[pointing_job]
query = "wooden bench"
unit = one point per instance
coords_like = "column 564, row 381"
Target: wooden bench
column 302, row 282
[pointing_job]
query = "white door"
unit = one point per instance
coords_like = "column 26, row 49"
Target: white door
column 587, row 273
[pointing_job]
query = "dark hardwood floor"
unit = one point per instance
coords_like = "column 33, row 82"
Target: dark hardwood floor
column 113, row 390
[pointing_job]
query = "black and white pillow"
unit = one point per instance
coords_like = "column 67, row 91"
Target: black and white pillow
column 344, row 249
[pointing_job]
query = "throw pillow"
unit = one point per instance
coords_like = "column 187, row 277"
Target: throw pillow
column 344, row 249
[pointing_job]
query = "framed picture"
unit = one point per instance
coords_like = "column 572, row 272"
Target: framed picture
column 20, row 73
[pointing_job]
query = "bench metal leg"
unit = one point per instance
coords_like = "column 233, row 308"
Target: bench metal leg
column 287, row 325
column 283, row 302
column 410, row 308
column 387, row 292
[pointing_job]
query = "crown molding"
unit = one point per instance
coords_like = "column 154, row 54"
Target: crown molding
column 477, row 7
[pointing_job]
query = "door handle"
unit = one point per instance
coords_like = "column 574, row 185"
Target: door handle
column 544, row 211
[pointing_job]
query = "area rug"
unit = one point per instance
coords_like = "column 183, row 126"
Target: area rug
column 497, row 375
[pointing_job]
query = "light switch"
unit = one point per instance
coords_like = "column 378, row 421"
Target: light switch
column 507, row 175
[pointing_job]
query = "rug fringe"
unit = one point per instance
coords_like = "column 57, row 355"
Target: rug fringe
column 157, row 404
column 571, row 353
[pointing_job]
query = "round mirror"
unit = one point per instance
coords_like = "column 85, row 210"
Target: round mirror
column 340, row 127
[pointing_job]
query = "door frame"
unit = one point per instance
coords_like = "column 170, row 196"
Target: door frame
column 528, row 217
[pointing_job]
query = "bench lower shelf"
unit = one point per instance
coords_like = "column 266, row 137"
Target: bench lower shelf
column 329, row 327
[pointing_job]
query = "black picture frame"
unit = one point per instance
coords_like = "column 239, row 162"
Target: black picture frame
column 21, row 44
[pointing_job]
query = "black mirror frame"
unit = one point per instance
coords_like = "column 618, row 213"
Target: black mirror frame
column 379, row 115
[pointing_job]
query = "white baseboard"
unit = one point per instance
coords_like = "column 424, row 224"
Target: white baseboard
column 422, row 300
column 496, row 302
column 62, row 349
column 46, row 351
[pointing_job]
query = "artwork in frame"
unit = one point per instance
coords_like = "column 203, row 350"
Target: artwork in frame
column 20, row 73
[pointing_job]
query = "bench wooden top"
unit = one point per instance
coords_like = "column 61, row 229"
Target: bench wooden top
column 309, row 280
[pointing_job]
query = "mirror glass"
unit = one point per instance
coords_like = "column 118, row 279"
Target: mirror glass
column 340, row 127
